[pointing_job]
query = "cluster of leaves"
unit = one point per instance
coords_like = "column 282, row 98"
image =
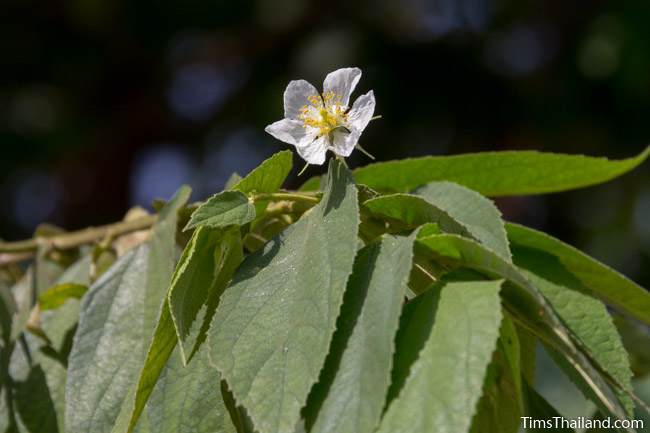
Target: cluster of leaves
column 401, row 302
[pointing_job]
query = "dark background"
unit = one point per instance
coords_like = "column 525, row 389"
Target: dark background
column 105, row 104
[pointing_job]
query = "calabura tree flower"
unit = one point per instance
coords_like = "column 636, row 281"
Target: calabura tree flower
column 316, row 123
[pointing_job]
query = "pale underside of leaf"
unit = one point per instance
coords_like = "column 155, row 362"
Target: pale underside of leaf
column 272, row 329
column 357, row 372
column 586, row 317
column 118, row 316
column 444, row 384
column 479, row 214
column 605, row 283
column 530, row 308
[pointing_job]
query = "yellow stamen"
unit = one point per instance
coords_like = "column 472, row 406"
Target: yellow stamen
column 324, row 114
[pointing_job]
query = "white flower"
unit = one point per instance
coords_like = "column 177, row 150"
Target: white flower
column 316, row 124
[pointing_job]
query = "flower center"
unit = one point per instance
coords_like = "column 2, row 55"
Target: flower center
column 325, row 114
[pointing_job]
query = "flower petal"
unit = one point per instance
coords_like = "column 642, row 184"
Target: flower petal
column 297, row 96
column 342, row 83
column 361, row 112
column 315, row 151
column 344, row 142
column 289, row 131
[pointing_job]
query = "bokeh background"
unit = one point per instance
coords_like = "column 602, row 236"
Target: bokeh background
column 107, row 104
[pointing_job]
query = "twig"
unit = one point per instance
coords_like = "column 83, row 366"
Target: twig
column 66, row 241
column 11, row 252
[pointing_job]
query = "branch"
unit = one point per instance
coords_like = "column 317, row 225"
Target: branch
column 74, row 239
column 21, row 250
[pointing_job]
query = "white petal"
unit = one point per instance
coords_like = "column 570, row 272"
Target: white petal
column 297, row 96
column 314, row 152
column 287, row 130
column 342, row 83
column 361, row 112
column 344, row 142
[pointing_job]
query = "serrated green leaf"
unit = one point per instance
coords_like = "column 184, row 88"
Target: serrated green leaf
column 586, row 317
column 478, row 214
column 188, row 399
column 414, row 329
column 444, row 384
column 118, row 316
column 201, row 277
column 223, row 209
column 498, row 173
column 108, row 346
column 525, row 302
column 414, row 211
column 351, row 393
column 268, row 176
column 605, row 283
column 272, row 329
column 207, row 264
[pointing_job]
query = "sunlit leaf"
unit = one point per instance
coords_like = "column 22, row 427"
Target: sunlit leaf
column 117, row 319
column 268, row 176
column 498, row 173
column 223, row 209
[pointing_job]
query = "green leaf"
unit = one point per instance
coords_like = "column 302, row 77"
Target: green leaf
column 118, row 316
column 444, row 384
column 478, row 214
column 311, row 184
column 586, row 317
column 268, row 176
column 207, row 264
column 109, row 344
column 500, row 407
column 414, row 211
column 272, row 329
column 525, row 302
column 351, row 393
column 56, row 296
column 498, row 173
column 188, row 399
column 36, row 401
column 414, row 329
column 606, row 283
column 202, row 274
column 540, row 411
column 223, row 209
